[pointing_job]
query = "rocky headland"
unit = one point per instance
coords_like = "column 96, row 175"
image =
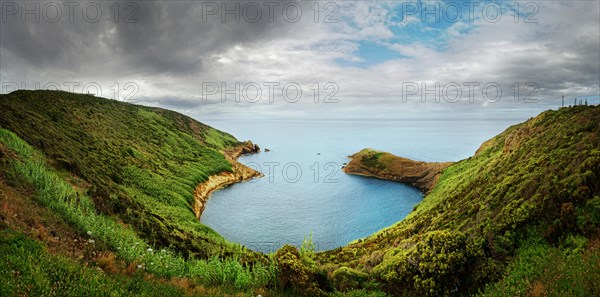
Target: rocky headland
column 240, row 172
column 373, row 163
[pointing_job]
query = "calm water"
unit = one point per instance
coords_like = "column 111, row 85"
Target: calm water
column 304, row 191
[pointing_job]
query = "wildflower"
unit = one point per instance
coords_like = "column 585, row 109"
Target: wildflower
column 89, row 233
column 149, row 249
column 139, row 266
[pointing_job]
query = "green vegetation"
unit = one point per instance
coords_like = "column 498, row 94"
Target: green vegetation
column 26, row 268
column 128, row 193
column 300, row 273
column 539, row 179
column 347, row 279
column 521, row 217
column 371, row 159
column 540, row 269
column 79, row 210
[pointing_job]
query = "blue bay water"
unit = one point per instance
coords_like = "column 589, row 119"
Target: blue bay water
column 304, row 190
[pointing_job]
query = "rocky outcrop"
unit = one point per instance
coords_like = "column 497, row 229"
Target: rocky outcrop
column 422, row 175
column 240, row 172
column 244, row 148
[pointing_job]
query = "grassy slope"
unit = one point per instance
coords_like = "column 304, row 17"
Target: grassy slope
column 140, row 164
column 539, row 179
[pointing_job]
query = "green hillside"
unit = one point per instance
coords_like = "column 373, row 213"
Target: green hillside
column 122, row 176
column 532, row 189
column 138, row 163
column 95, row 196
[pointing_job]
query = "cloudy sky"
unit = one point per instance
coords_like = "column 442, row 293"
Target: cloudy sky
column 349, row 59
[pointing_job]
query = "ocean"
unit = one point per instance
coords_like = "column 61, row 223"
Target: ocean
column 304, row 192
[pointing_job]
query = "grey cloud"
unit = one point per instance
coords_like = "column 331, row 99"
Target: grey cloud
column 176, row 103
column 165, row 37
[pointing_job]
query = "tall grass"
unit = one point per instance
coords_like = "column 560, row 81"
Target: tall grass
column 78, row 209
column 540, row 269
column 27, row 269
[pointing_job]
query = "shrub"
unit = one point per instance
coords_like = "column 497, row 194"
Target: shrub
column 432, row 267
column 295, row 274
column 439, row 258
column 574, row 244
column 593, row 207
column 346, row 279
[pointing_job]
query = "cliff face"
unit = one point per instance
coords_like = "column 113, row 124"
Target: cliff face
column 240, row 172
column 422, row 175
column 244, row 148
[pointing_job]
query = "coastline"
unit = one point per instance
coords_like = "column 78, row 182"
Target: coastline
column 220, row 180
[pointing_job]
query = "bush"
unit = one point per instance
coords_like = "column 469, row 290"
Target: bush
column 574, row 244
column 295, row 274
column 346, row 279
column 440, row 258
column 593, row 207
column 432, row 267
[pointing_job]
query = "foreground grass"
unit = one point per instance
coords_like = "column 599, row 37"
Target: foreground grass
column 26, row 268
column 540, row 269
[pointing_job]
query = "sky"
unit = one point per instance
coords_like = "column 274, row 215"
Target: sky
column 307, row 59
